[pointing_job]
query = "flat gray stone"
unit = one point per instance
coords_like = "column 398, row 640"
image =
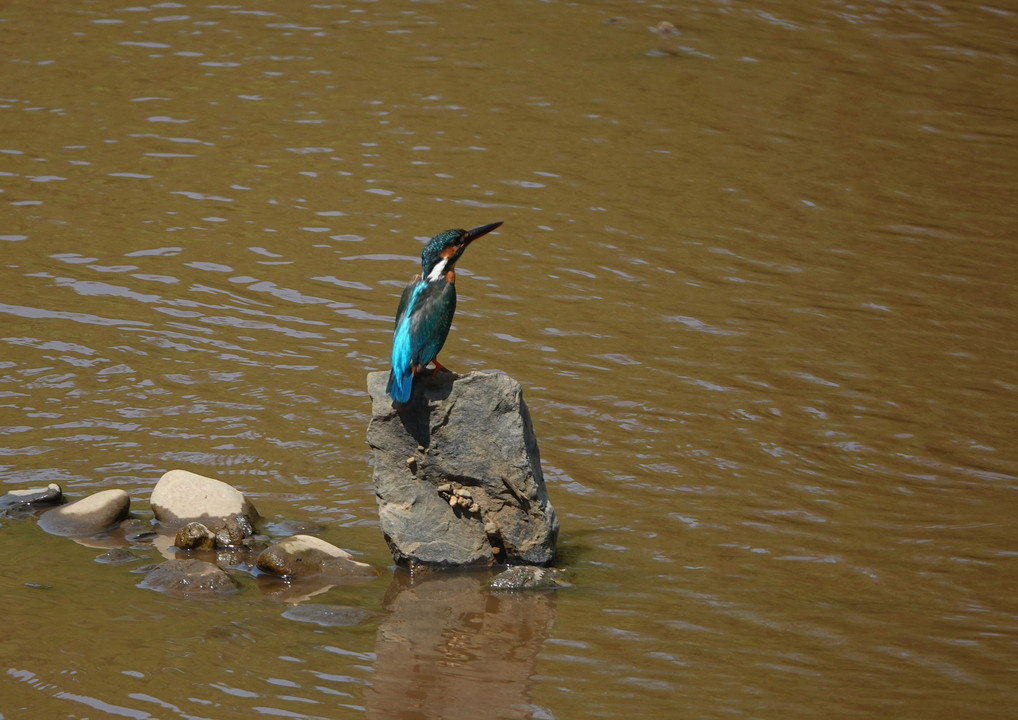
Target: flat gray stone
column 303, row 556
column 189, row 578
column 182, row 496
column 90, row 515
column 37, row 496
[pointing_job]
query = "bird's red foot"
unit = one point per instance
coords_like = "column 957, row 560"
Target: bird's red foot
column 439, row 366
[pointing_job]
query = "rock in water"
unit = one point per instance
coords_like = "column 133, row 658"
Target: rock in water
column 195, row 536
column 87, row 516
column 223, row 535
column 458, row 473
column 189, row 578
column 50, row 495
column 304, row 556
column 116, row 556
column 529, row 578
column 181, row 496
column 327, row 615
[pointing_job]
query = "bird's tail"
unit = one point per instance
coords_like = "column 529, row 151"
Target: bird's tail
column 399, row 385
column 401, row 376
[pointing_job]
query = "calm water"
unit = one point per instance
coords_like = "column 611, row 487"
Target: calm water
column 758, row 280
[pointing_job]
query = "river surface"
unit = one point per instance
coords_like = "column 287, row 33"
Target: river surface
column 757, row 278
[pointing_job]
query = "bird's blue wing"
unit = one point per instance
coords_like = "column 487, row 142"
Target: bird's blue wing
column 404, row 299
column 430, row 320
column 423, row 320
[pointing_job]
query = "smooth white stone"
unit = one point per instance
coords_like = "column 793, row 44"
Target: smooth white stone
column 182, row 496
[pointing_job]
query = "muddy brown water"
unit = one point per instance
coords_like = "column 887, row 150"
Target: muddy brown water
column 757, row 279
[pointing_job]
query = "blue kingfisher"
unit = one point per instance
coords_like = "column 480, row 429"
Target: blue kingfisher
column 426, row 308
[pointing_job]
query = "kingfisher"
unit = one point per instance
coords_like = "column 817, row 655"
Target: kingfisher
column 426, row 308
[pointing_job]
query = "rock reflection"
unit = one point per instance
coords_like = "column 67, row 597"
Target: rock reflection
column 452, row 648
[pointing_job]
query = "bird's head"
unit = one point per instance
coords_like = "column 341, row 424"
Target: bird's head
column 442, row 251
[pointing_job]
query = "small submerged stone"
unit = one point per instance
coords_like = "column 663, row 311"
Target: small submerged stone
column 87, row 516
column 293, row 527
column 189, row 578
column 142, row 537
column 116, row 556
column 664, row 29
column 181, row 496
column 327, row 615
column 305, row 556
column 32, row 497
column 529, row 578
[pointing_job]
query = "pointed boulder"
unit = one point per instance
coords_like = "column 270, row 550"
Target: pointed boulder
column 458, row 473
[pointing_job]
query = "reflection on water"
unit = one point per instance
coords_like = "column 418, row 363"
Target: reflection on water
column 447, row 648
column 756, row 277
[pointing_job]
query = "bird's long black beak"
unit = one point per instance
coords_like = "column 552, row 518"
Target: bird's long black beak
column 478, row 232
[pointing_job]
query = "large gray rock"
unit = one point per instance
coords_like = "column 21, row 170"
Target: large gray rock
column 182, row 496
column 87, row 516
column 458, row 473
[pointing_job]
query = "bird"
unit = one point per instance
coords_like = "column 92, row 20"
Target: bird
column 426, row 307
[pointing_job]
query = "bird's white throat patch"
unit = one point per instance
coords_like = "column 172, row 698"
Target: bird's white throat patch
column 438, row 271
